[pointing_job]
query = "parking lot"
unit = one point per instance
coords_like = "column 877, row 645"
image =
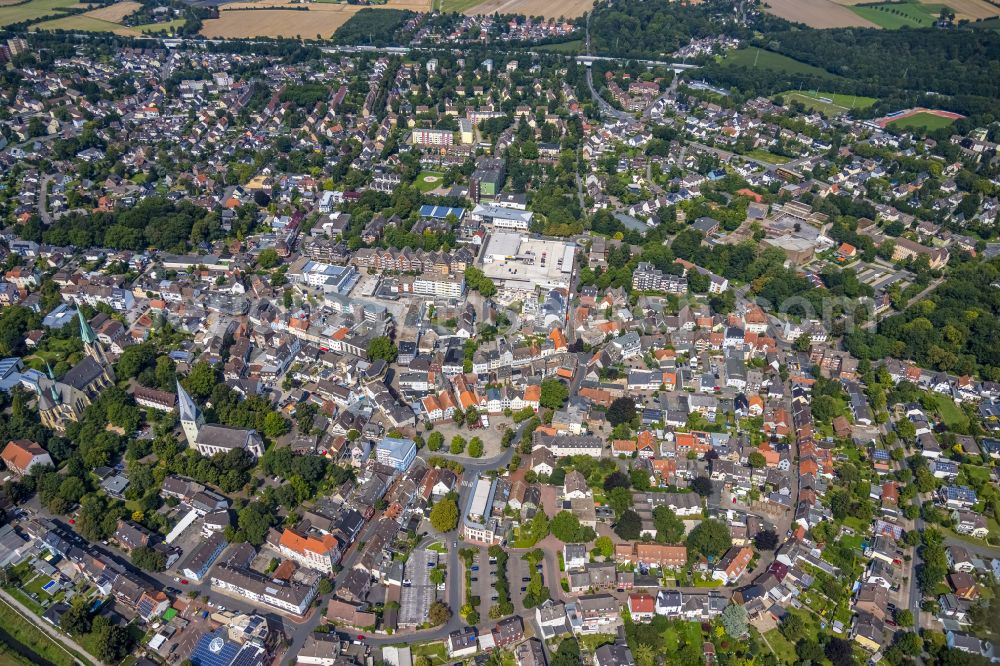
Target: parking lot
column 418, row 593
column 485, row 581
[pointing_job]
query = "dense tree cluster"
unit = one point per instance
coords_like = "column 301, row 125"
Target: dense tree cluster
column 953, row 329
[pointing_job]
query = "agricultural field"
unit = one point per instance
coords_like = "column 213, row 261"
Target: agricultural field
column 964, row 9
column 922, row 121
column 116, row 12
column 34, row 10
column 894, row 15
column 286, row 19
column 245, row 23
column 85, row 23
column 447, row 6
column 106, row 19
column 546, row 8
column 829, row 103
column 818, row 13
column 752, row 57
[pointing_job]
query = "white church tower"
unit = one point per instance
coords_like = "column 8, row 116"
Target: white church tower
column 191, row 418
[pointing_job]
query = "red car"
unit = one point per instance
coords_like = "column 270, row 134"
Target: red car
column 184, row 581
column 360, row 637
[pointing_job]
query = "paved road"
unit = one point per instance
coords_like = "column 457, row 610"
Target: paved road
column 602, row 104
column 43, row 199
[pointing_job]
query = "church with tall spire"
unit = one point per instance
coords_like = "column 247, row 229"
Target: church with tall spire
column 210, row 439
column 64, row 400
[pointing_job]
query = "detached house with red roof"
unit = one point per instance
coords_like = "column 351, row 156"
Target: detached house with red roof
column 313, row 551
column 21, row 455
column 733, row 564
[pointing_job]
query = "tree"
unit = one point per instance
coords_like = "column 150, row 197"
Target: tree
column 554, row 394
column 476, row 447
column 268, row 258
column 382, row 348
column 439, row 613
column 434, row 441
column 566, row 527
column 76, row 620
column 457, row 445
column 201, row 381
column 619, row 499
column 148, row 559
column 444, row 515
column 644, row 655
column 669, row 528
column 537, row 529
column 622, row 410
column 766, row 540
column 793, row 627
column 734, row 620
column 756, row 459
column 710, row 538
column 604, row 546
column 904, row 617
column 702, row 485
column 616, row 479
column 325, row 586
column 436, row 576
column 254, row 520
column 629, row 526
column 839, row 651
column 113, row 644
column 568, row 653
column 809, row 651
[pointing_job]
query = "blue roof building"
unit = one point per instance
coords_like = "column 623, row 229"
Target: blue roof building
column 396, row 452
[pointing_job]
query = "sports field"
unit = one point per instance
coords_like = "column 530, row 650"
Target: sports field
column 831, row 104
column 35, row 9
column 922, row 120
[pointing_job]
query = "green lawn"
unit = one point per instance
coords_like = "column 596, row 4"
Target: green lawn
column 435, row 652
column 781, row 647
column 15, row 629
column 80, row 23
column 158, row 27
column 36, row 586
column 893, row 15
column 455, row 5
column 428, row 180
column 754, row 57
column 950, row 413
column 922, row 120
column 572, row 47
column 34, row 10
column 827, row 102
column 764, row 156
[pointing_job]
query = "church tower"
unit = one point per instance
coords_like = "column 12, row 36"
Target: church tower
column 191, row 418
column 93, row 346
